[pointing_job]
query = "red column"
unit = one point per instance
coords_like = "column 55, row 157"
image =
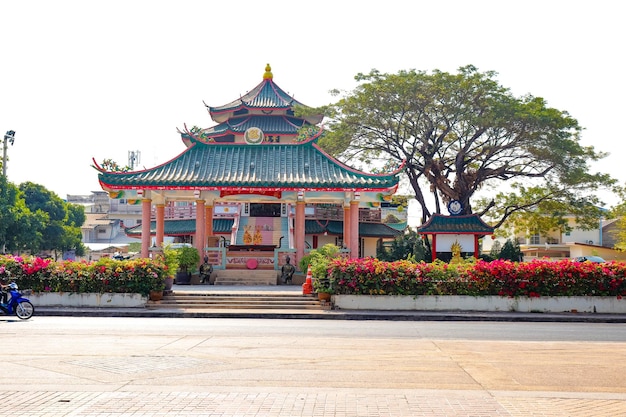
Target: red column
column 354, row 229
column 200, row 242
column 160, row 224
column 208, row 220
column 299, row 232
column 476, row 246
column 146, row 206
column 346, row 226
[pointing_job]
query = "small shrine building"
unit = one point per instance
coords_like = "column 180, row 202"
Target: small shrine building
column 455, row 236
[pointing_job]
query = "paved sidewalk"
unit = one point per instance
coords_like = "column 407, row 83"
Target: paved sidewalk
column 100, row 367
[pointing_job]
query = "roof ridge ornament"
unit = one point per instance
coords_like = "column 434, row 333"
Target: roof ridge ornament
column 268, row 73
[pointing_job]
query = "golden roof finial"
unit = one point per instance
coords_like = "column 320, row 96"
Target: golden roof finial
column 268, row 73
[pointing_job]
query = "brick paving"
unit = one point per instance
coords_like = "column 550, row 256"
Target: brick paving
column 305, row 404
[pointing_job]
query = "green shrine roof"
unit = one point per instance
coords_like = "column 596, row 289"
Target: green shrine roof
column 314, row 227
column 263, row 167
column 466, row 224
column 188, row 226
column 182, row 227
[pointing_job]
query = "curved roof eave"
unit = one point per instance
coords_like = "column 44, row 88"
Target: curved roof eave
column 463, row 224
column 298, row 166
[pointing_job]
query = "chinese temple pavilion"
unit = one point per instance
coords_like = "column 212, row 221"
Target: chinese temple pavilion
column 260, row 181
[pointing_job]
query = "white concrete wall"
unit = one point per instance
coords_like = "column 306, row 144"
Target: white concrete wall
column 59, row 299
column 484, row 303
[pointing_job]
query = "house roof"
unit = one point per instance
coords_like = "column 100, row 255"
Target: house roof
column 263, row 167
column 466, row 224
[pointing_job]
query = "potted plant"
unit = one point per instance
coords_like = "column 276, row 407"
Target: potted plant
column 319, row 260
column 188, row 259
column 156, row 293
column 156, row 282
column 170, row 258
column 323, row 288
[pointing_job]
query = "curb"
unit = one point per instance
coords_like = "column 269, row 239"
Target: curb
column 335, row 315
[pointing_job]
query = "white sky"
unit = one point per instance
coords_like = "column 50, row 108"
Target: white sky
column 88, row 79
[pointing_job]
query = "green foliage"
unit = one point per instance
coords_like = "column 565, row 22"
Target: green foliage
column 511, row 251
column 319, row 259
column 619, row 212
column 461, row 132
column 188, row 258
column 170, row 258
column 541, row 210
column 496, row 247
column 35, row 219
column 105, row 276
column 20, row 228
column 405, row 246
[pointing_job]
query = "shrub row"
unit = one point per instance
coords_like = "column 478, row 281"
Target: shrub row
column 504, row 278
column 347, row 276
column 104, row 276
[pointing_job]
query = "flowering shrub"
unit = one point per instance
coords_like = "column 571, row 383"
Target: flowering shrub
column 505, row 278
column 104, row 276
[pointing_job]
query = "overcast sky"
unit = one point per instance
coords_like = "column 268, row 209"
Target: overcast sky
column 88, row 79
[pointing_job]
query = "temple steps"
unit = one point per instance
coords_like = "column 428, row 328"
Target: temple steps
column 195, row 300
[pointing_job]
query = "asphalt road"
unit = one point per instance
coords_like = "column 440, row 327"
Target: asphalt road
column 86, row 366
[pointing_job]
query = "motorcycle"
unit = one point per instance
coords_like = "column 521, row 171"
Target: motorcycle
column 16, row 304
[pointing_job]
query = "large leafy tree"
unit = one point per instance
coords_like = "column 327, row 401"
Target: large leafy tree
column 62, row 228
column 458, row 134
column 619, row 212
column 20, row 228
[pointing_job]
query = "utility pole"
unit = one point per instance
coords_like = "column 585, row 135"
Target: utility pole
column 10, row 137
column 133, row 158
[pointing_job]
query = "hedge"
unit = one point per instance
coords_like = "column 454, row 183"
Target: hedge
column 536, row 278
column 104, row 276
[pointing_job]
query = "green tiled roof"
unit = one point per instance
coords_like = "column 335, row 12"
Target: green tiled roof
column 470, row 223
column 266, row 95
column 398, row 226
column 265, row 166
column 183, row 227
column 313, row 227
column 270, row 125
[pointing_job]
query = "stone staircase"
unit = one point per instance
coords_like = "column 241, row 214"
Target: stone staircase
column 239, row 301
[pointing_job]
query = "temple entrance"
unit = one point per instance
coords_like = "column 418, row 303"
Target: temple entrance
column 264, row 210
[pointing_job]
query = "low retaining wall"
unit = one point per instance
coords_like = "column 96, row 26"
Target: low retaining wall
column 483, row 303
column 60, row 299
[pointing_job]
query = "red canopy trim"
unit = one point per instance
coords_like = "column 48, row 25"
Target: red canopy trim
column 268, row 193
